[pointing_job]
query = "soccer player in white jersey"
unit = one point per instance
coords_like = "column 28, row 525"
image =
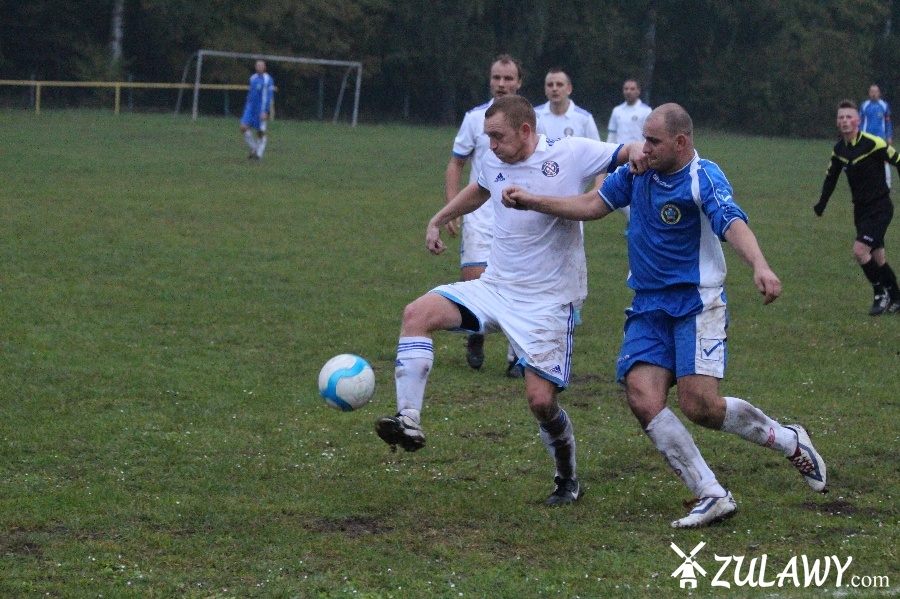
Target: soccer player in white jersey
column 560, row 117
column 535, row 272
column 682, row 208
column 626, row 123
column 472, row 143
column 256, row 110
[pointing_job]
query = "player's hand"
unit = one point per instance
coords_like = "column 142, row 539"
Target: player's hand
column 819, row 209
column 638, row 163
column 768, row 284
column 264, row 116
column 515, row 197
column 433, row 241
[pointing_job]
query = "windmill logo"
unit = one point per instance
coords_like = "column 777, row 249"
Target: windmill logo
column 689, row 567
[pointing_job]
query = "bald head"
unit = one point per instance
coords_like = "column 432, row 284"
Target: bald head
column 675, row 119
column 669, row 134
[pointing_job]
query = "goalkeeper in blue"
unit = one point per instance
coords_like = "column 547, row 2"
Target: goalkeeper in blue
column 256, row 110
column 675, row 330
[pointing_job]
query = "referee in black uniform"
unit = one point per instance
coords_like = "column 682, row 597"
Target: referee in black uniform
column 862, row 157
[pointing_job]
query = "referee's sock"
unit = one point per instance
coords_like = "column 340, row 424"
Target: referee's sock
column 889, row 282
column 873, row 272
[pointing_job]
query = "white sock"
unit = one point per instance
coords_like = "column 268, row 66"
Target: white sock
column 511, row 353
column 675, row 443
column 750, row 423
column 415, row 357
column 261, row 146
column 251, row 140
column 560, row 442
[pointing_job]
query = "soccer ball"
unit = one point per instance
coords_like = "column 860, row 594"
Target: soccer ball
column 346, row 382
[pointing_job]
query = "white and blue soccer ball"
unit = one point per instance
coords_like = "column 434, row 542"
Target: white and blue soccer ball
column 346, row 382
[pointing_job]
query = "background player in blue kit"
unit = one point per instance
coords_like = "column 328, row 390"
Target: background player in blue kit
column 256, row 110
column 675, row 329
column 875, row 115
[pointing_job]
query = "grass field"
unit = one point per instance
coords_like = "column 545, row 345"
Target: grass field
column 166, row 307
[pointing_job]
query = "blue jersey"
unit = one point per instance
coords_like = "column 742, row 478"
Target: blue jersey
column 677, row 224
column 876, row 119
column 259, row 99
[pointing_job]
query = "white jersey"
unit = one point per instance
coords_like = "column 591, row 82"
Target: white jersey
column 576, row 122
column 627, row 122
column 536, row 257
column 472, row 142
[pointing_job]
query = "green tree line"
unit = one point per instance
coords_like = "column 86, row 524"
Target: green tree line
column 769, row 67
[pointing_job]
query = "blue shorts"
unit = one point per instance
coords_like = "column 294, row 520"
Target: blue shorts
column 693, row 341
column 251, row 118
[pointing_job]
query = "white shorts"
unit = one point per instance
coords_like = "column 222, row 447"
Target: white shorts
column 475, row 246
column 541, row 334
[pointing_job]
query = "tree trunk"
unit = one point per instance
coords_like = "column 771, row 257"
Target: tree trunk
column 116, row 34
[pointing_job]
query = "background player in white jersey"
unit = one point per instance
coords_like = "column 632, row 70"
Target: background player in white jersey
column 535, row 272
column 256, row 110
column 471, row 143
column 626, row 123
column 675, row 328
column 559, row 117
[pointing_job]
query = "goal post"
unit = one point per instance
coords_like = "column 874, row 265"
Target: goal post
column 350, row 66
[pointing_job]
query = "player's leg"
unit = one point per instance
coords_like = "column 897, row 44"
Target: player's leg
column 889, row 282
column 248, row 123
column 543, row 335
column 646, row 365
column 868, row 249
column 475, row 341
column 556, row 432
column 700, row 364
column 261, row 139
column 646, row 388
column 415, row 357
column 876, row 228
column 872, row 270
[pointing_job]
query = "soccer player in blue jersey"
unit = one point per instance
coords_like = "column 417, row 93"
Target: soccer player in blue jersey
column 471, row 144
column 860, row 155
column 256, row 110
column 535, row 274
column 875, row 115
column 675, row 330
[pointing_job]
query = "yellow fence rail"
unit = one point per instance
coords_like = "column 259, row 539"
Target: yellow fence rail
column 117, row 85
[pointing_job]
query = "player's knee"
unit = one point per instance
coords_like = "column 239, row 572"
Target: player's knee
column 703, row 410
column 862, row 252
column 542, row 406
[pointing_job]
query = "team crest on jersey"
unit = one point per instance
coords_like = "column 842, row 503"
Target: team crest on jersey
column 670, row 214
column 569, row 132
column 550, row 168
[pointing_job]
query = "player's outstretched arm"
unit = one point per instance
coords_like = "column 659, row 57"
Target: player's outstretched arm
column 469, row 199
column 742, row 239
column 586, row 206
column 452, row 177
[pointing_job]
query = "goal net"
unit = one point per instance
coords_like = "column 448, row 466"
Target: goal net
column 349, row 67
